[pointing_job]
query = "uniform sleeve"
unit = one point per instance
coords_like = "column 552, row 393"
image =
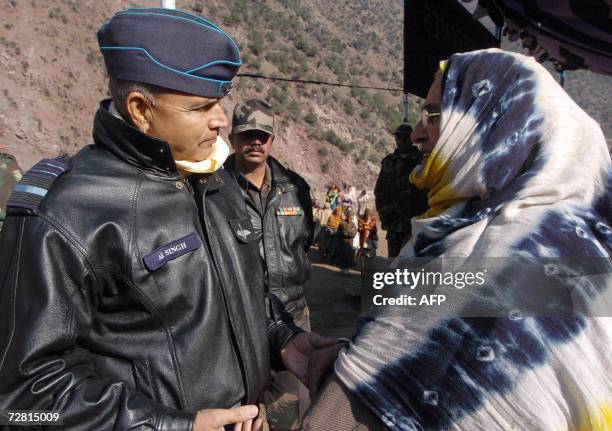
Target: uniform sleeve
column 281, row 329
column 47, row 300
column 380, row 197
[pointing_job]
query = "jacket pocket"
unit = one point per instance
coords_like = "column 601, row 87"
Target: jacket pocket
column 142, row 378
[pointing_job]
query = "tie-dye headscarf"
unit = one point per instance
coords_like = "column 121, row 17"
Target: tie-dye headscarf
column 519, row 170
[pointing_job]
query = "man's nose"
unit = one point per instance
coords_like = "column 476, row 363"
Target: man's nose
column 219, row 120
column 418, row 133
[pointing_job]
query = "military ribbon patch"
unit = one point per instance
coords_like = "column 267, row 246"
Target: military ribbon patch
column 289, row 211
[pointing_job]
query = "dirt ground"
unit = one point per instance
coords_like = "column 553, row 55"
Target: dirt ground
column 334, row 299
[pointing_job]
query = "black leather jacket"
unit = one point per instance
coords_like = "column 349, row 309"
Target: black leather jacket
column 287, row 229
column 97, row 321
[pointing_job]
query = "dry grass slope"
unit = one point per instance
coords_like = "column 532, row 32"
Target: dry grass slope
column 52, row 76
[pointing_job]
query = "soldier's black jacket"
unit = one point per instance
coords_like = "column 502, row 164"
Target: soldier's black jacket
column 127, row 299
column 286, row 230
column 397, row 199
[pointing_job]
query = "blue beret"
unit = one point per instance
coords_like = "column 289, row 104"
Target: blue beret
column 171, row 49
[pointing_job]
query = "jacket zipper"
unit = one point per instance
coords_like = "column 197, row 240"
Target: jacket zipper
column 205, row 239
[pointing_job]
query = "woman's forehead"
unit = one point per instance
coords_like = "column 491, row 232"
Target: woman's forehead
column 434, row 96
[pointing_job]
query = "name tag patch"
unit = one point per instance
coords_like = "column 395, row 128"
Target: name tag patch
column 158, row 257
column 289, row 211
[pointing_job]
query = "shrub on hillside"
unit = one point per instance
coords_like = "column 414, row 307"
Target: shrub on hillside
column 257, row 44
column 310, row 118
column 348, row 107
column 293, row 109
column 274, row 93
column 331, row 137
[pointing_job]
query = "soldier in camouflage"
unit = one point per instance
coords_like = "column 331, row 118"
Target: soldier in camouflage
column 280, row 209
column 397, row 199
column 10, row 174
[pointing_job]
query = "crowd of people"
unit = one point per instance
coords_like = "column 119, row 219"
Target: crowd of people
column 346, row 228
column 155, row 281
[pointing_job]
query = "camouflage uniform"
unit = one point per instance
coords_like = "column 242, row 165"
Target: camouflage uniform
column 10, row 174
column 397, row 199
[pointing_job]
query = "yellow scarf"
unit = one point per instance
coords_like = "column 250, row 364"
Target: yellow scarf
column 214, row 162
column 434, row 174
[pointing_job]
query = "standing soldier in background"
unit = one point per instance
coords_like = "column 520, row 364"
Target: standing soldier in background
column 398, row 200
column 280, row 210
column 10, row 174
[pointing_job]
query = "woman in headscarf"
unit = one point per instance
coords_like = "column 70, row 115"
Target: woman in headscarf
column 362, row 202
column 518, row 172
column 332, row 196
column 350, row 196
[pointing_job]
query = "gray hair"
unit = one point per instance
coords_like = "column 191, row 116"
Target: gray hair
column 121, row 88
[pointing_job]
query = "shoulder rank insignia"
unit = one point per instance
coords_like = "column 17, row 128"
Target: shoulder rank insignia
column 33, row 187
column 289, row 211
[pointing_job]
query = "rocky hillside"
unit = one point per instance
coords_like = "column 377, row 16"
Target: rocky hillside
column 52, row 77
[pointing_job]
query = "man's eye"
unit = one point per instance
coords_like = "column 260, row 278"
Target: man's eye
column 204, row 108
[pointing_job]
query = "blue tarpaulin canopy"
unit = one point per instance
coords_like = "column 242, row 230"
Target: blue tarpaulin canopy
column 572, row 34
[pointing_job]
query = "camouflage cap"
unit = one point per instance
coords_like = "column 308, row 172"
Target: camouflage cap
column 253, row 114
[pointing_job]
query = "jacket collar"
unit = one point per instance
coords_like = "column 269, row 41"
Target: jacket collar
column 412, row 153
column 130, row 144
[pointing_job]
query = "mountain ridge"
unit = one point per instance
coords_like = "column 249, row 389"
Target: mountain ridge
column 53, row 77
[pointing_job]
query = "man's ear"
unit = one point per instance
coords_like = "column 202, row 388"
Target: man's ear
column 139, row 111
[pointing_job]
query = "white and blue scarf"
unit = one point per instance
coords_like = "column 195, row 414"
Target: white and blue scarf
column 519, row 171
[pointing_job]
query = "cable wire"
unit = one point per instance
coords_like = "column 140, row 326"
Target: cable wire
column 308, row 81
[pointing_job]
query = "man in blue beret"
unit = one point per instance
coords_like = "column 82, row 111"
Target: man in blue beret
column 135, row 295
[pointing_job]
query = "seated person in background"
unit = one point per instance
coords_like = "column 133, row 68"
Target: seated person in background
column 344, row 251
column 326, row 244
column 368, row 233
column 321, row 216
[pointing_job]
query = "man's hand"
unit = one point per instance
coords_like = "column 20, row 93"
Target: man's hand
column 216, row 419
column 297, row 353
column 320, row 366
